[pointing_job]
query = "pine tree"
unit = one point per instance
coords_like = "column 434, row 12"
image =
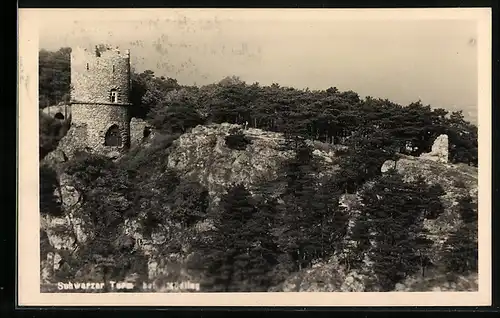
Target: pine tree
column 461, row 249
column 312, row 223
column 241, row 251
column 391, row 231
column 189, row 203
column 369, row 148
column 298, row 198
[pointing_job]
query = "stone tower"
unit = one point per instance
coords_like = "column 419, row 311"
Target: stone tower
column 100, row 103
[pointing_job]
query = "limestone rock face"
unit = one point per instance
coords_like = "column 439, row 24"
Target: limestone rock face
column 65, row 230
column 323, row 277
column 329, row 276
column 388, row 165
column 203, row 153
column 74, row 140
column 354, row 282
column 439, row 151
column 436, row 282
column 55, row 157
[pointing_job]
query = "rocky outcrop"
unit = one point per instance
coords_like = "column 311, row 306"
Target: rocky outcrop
column 436, row 282
column 49, row 266
column 439, row 151
column 75, row 139
column 456, row 180
column 55, row 157
column 203, row 153
column 328, row 276
column 322, row 277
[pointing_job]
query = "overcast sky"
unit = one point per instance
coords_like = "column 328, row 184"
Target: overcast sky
column 434, row 60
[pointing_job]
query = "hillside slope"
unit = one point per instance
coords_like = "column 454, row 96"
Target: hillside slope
column 204, row 156
column 457, row 182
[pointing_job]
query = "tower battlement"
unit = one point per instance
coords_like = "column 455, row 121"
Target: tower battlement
column 100, row 51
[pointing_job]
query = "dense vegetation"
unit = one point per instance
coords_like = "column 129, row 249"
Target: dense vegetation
column 54, row 77
column 391, row 228
column 257, row 240
column 326, row 115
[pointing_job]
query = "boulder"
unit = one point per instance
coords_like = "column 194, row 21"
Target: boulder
column 55, row 157
column 388, row 165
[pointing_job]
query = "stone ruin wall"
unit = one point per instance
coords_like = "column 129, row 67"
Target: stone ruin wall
column 137, row 129
column 439, row 151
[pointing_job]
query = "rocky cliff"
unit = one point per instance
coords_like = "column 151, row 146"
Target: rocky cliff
column 201, row 155
column 204, row 155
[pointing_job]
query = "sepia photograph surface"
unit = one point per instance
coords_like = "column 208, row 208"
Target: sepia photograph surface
column 254, row 157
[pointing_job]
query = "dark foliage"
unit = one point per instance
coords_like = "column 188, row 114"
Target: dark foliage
column 467, row 209
column 50, row 132
column 311, row 222
column 242, row 251
column 109, row 194
column 190, row 203
column 149, row 91
column 390, row 231
column 237, row 141
column 49, row 185
column 369, row 148
column 54, row 77
column 461, row 248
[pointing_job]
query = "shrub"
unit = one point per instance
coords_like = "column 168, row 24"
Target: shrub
column 461, row 250
column 237, row 141
column 459, row 184
column 49, row 203
column 50, row 132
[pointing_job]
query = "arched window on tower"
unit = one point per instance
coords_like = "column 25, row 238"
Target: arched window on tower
column 113, row 136
column 87, row 66
column 114, row 96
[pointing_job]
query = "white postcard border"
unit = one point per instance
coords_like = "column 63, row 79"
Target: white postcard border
column 28, row 195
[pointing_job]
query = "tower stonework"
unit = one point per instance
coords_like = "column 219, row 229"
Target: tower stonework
column 100, row 102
